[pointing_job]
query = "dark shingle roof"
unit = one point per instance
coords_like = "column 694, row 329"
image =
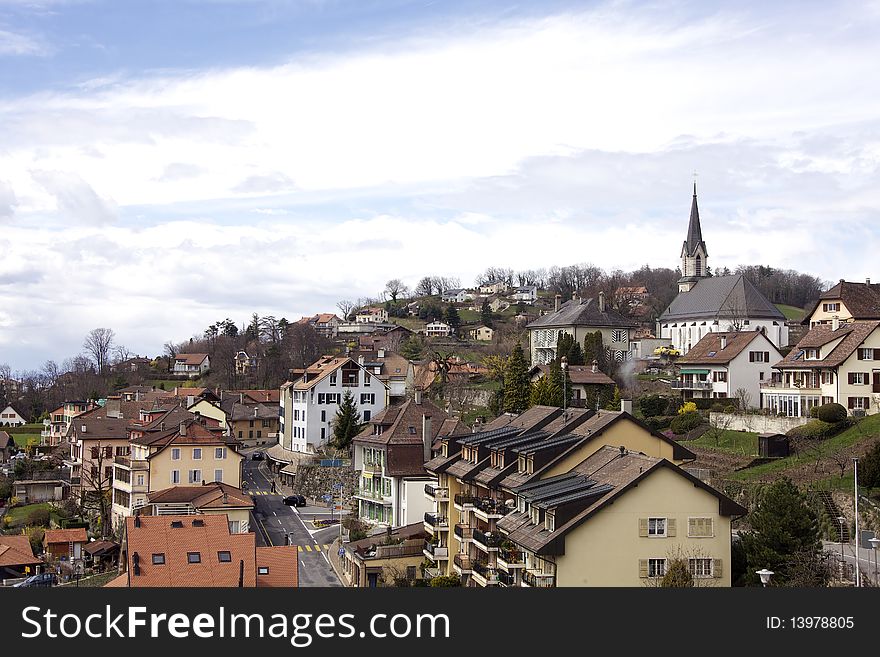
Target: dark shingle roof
column 695, row 233
column 582, row 312
column 721, row 297
column 854, row 334
column 861, row 299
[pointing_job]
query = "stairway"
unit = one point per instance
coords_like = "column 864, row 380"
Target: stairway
column 834, row 511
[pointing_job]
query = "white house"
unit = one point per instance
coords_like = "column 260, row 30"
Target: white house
column 9, row 417
column 371, row 316
column 722, row 363
column 309, row 404
column 525, row 294
column 456, row 296
column 438, row 329
column 192, row 365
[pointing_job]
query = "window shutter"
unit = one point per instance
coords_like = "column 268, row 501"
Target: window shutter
column 751, row 356
column 716, row 568
column 643, row 567
column 850, row 377
column 850, row 403
column 643, row 528
column 866, row 378
column 670, row 526
column 766, row 356
column 692, row 526
column 859, row 354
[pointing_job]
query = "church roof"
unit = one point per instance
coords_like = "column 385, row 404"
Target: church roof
column 721, row 297
column 695, row 233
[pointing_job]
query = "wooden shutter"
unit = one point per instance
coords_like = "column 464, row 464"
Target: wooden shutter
column 643, row 527
column 751, row 356
column 716, row 568
column 859, row 354
column 850, row 403
column 643, row 567
column 850, row 377
column 766, row 356
column 866, row 378
column 670, row 526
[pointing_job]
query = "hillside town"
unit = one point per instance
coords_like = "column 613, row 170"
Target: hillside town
column 690, row 426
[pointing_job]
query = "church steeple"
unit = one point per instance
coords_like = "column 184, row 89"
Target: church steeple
column 693, row 251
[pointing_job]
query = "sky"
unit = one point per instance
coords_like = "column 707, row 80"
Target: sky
column 166, row 164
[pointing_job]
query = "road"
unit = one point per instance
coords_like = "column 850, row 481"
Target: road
column 273, row 520
column 866, row 557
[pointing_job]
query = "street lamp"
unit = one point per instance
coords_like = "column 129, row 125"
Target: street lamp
column 564, row 365
column 765, row 576
column 875, row 543
column 841, row 520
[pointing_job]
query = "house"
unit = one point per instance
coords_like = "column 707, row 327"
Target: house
column 309, row 404
column 832, row 363
column 578, row 317
column 494, row 287
column 9, row 417
column 371, row 315
column 457, row 295
column 210, row 409
column 191, row 365
column 437, row 329
column 136, row 365
column 94, row 440
column 388, row 339
column 251, row 423
column 325, row 324
column 588, row 383
column 714, row 304
column 478, row 473
column 172, row 449
column 380, row 560
column 213, row 498
column 482, row 333
column 720, row 364
column 7, row 446
column 199, row 551
column 633, row 295
column 389, row 367
column 102, row 555
column 847, row 301
column 43, row 486
column 17, row 557
column 65, row 544
column 498, row 305
column 245, row 364
column 615, row 519
column 524, row 294
column 389, row 455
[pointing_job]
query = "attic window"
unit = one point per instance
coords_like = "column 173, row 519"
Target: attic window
column 159, row 559
column 711, row 354
column 412, row 431
column 224, row 557
column 176, row 523
column 263, row 570
column 194, row 557
column 198, row 523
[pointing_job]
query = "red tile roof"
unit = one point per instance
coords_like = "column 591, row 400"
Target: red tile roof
column 277, row 567
column 65, row 536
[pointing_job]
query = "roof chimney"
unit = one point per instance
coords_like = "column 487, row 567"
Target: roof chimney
column 867, row 281
column 835, row 323
column 558, row 299
column 723, row 341
column 361, row 360
column 427, row 436
column 626, row 406
column 380, row 353
column 601, row 302
column 225, row 497
column 595, row 365
column 182, row 428
column 417, row 396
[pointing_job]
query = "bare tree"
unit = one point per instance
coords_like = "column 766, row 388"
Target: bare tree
column 98, row 344
column 395, row 288
column 345, row 307
column 743, row 398
column 121, row 353
column 97, row 485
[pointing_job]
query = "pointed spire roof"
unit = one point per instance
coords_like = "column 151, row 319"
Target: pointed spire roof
column 694, row 234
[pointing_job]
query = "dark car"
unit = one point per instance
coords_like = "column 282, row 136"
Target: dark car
column 257, row 456
column 43, row 579
column 295, row 500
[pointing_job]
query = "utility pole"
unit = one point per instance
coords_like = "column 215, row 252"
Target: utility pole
column 856, row 480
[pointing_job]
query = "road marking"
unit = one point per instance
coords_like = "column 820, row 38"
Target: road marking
column 299, row 548
column 275, row 513
column 308, row 548
column 303, row 563
column 326, row 547
column 281, row 523
column 317, row 548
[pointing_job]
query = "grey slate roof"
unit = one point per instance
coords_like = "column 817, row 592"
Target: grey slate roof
column 721, row 297
column 695, row 233
column 582, row 312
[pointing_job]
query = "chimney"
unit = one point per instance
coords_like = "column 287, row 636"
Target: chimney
column 867, row 281
column 361, row 360
column 626, row 406
column 182, row 428
column 835, row 323
column 225, row 497
column 241, row 398
column 558, row 299
column 595, row 365
column 427, row 436
column 575, row 298
column 723, row 342
column 380, row 353
column 190, row 400
column 601, row 302
column 256, row 410
column 417, row 396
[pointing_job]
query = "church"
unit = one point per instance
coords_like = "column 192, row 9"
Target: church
column 713, row 304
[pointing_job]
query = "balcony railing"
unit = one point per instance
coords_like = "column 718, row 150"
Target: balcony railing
column 436, row 551
column 491, row 508
column 436, row 492
column 437, row 522
column 511, row 559
column 691, row 385
column 793, row 386
column 483, row 573
column 372, row 466
column 487, row 541
column 372, row 495
column 537, row 579
column 131, row 464
column 462, row 500
column 462, row 562
column 506, row 579
column 464, row 533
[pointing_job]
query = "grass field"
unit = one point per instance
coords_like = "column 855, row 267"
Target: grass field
column 169, row 384
column 18, row 516
column 790, row 312
column 735, row 442
column 25, row 439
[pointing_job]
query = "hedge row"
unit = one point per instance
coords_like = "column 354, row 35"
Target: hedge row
column 817, row 429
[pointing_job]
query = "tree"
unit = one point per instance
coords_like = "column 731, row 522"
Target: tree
column 517, row 389
column 412, row 347
column 560, row 384
column 743, row 398
column 542, row 393
column 594, row 350
column 98, row 344
column 678, row 575
column 486, row 314
column 784, row 530
column 452, row 317
column 97, row 487
column 345, row 307
column 869, row 467
column 395, row 288
column 426, row 287
column 347, row 423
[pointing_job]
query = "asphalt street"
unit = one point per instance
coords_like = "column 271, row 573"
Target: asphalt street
column 273, row 521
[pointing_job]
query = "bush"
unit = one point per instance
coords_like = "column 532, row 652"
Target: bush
column 831, row 413
column 35, row 536
column 814, row 411
column 687, row 407
column 446, row 581
column 730, row 408
column 653, row 405
column 678, row 575
column 38, row 518
column 659, row 423
column 685, row 422
column 716, row 407
column 869, row 467
column 817, row 429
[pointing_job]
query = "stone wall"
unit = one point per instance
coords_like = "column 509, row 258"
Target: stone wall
column 756, row 423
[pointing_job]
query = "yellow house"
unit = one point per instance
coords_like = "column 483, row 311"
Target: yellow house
column 208, row 499
column 210, row 409
column 617, row 519
column 847, row 301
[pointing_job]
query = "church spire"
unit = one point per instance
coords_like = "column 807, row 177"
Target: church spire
column 693, row 251
column 694, row 234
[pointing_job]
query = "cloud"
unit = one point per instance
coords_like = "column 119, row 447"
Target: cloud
column 74, row 198
column 7, row 200
column 269, row 183
column 179, row 171
column 12, row 43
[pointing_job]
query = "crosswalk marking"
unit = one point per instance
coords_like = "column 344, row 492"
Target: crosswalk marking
column 326, row 547
column 308, row 548
column 299, row 548
column 317, row 548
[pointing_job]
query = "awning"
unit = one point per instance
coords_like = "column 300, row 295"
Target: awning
column 685, row 371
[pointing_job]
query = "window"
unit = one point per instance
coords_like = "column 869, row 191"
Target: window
column 323, row 416
column 240, row 434
column 259, row 433
column 759, row 356
column 656, row 567
column 333, row 379
column 140, row 480
column 218, row 475
column 175, row 476
column 322, row 398
column 700, row 527
column 234, row 526
column 265, row 423
column 700, row 567
column 619, row 335
column 250, row 423
column 811, row 354
column 368, row 398
column 859, row 378
column 224, row 557
column 219, row 453
column 194, row 557
column 323, row 433
column 367, row 378
column 859, row 403
column 656, row 526
column 367, row 416
column 195, row 476
column 263, row 570
column 412, row 431
column 175, row 453
column 159, row 559
column 830, row 307
column 250, row 434
column 296, row 414
column 197, row 454
column 719, row 377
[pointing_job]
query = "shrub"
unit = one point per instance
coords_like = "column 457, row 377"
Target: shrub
column 677, row 576
column 814, row 411
column 831, row 413
column 652, row 405
column 685, row 422
column 730, row 408
column 869, row 468
column 716, row 407
column 658, row 423
column 687, row 407
column 817, row 429
column 446, row 581
column 38, row 518
column 35, row 536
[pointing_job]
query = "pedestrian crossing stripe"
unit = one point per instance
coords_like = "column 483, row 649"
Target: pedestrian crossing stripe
column 317, row 548
column 326, row 547
column 308, row 548
column 299, row 548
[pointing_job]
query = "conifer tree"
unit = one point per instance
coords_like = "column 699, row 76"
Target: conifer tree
column 486, row 314
column 517, row 389
column 347, row 423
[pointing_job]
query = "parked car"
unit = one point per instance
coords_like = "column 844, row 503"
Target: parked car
column 295, row 500
column 257, row 456
column 43, row 579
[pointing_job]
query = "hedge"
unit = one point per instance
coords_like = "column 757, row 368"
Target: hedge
column 831, row 413
column 659, row 422
column 685, row 422
column 817, row 429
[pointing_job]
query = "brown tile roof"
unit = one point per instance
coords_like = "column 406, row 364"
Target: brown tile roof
column 579, row 374
column 194, row 434
column 321, row 368
column 711, row 342
column 190, row 359
column 401, row 424
column 209, row 496
column 16, row 551
column 861, row 299
column 277, row 567
column 272, row 396
column 77, row 535
column 533, row 418
column 101, row 547
column 99, row 426
column 854, row 334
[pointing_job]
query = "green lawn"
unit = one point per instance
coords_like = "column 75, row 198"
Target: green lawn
column 170, row 384
column 867, row 429
column 25, row 439
column 735, row 442
column 791, row 312
column 18, row 516
column 93, row 580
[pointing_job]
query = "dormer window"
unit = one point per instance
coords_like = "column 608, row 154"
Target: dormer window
column 333, row 379
column 521, row 464
column 811, row 354
column 550, row 522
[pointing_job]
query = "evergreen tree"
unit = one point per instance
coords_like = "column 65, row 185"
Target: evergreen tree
column 678, row 575
column 595, row 350
column 869, row 467
column 347, row 423
column 517, row 388
column 486, row 313
column 575, row 355
column 557, row 388
column 563, row 345
column 542, row 393
column 785, row 533
column 452, row 317
column 613, row 404
column 412, row 347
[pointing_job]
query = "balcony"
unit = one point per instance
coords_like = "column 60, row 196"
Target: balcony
column 464, row 502
column 436, row 552
column 691, row 385
column 506, row 579
column 375, row 496
column 372, row 466
column 461, row 564
column 486, row 541
column 510, row 560
column 436, row 493
column 792, row 386
column 463, row 533
column 131, row 464
column 483, row 575
column 435, row 522
column 537, row 579
column 489, row 509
